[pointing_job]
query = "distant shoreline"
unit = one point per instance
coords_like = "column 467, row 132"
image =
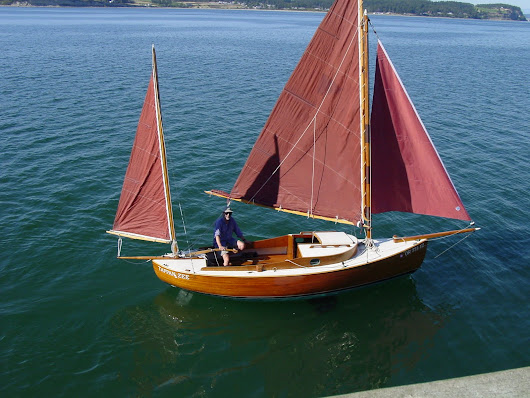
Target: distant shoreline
column 227, row 6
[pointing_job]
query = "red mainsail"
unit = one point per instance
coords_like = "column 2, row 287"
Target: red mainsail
column 307, row 157
column 144, row 208
column 407, row 173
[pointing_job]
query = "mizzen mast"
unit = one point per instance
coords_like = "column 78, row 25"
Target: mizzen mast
column 174, row 246
column 365, row 122
column 144, row 209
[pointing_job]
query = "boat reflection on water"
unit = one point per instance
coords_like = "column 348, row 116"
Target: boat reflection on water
column 354, row 341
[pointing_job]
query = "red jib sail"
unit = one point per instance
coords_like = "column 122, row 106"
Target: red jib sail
column 307, row 157
column 144, row 210
column 407, row 172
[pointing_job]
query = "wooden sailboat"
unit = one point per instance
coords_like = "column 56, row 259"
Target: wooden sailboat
column 318, row 156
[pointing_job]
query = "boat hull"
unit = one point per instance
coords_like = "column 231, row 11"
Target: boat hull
column 308, row 281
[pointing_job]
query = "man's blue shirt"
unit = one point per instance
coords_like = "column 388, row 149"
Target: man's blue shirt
column 225, row 230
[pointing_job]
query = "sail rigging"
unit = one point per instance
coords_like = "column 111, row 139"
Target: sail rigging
column 318, row 155
column 144, row 210
column 306, row 159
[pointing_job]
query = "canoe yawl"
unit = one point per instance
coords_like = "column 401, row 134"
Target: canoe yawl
column 320, row 155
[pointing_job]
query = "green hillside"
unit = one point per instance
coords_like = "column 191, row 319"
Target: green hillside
column 447, row 9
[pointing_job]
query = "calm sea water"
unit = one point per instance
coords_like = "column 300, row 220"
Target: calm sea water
column 77, row 322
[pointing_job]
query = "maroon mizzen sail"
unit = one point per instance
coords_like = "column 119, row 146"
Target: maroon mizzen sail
column 144, row 210
column 407, row 172
column 307, row 157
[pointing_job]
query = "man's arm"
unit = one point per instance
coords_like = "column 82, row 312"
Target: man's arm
column 218, row 240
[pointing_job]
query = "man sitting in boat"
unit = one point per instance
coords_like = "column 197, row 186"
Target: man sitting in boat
column 225, row 227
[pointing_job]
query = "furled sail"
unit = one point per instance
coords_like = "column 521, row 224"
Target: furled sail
column 407, row 172
column 144, row 210
column 307, row 157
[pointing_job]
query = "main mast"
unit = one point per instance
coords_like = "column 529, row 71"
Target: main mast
column 174, row 246
column 365, row 121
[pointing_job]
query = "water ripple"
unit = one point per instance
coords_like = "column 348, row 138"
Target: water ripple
column 76, row 321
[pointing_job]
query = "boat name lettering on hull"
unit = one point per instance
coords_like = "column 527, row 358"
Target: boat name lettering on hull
column 173, row 274
column 413, row 250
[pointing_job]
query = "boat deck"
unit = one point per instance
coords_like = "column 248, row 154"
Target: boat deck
column 307, row 249
column 280, row 260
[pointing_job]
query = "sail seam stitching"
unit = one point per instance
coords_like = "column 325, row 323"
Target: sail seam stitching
column 313, row 119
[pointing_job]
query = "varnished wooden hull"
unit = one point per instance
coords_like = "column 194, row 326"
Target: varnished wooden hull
column 313, row 281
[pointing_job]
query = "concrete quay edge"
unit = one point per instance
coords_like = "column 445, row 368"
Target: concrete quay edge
column 512, row 383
